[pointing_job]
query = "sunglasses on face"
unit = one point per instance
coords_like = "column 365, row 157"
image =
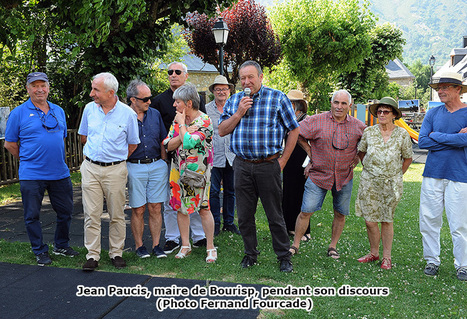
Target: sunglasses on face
column 144, row 99
column 385, row 112
column 177, row 72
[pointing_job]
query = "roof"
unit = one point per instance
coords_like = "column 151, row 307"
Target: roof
column 195, row 64
column 397, row 70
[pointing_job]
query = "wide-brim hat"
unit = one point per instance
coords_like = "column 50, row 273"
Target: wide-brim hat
column 386, row 101
column 296, row 95
column 220, row 79
column 451, row 78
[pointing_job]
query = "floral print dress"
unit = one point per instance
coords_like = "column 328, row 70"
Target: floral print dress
column 381, row 183
column 196, row 154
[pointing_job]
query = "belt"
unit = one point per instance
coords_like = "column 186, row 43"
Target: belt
column 261, row 160
column 144, row 161
column 102, row 163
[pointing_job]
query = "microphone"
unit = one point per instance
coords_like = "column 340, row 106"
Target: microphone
column 247, row 93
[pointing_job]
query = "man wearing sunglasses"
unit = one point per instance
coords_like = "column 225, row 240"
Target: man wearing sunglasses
column 177, row 74
column 330, row 140
column 35, row 135
column 147, row 170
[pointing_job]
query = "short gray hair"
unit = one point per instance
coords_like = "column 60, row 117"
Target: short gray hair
column 132, row 89
column 110, row 81
column 185, row 69
column 339, row 92
column 252, row 63
column 187, row 92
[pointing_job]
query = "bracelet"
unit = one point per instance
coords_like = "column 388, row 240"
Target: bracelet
column 180, row 125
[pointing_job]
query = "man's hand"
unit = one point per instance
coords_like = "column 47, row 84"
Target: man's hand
column 355, row 161
column 307, row 170
column 464, row 130
column 245, row 104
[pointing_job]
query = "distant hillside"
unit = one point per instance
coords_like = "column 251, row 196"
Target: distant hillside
column 429, row 26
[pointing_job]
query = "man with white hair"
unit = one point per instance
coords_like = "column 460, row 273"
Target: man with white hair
column 109, row 132
column 444, row 185
column 330, row 140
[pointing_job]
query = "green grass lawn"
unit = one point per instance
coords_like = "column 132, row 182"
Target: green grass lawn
column 412, row 294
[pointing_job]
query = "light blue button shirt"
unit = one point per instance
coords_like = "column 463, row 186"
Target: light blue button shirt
column 221, row 145
column 108, row 135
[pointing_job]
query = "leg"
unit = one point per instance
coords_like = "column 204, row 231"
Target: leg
column 456, row 212
column 196, row 226
column 208, row 226
column 372, row 230
column 61, row 198
column 341, row 203
column 387, row 235
column 93, row 203
column 337, row 228
column 184, row 228
column 431, row 217
column 172, row 232
column 301, row 225
column 228, row 211
column 214, row 195
column 32, row 193
column 137, row 224
column 155, row 222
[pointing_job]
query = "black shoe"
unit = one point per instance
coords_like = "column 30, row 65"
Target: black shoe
column 43, row 259
column 217, row 229
column 142, row 252
column 90, row 265
column 431, row 269
column 286, row 265
column 247, row 261
column 68, row 252
column 200, row 243
column 231, row 228
column 170, row 246
column 158, row 252
column 118, row 262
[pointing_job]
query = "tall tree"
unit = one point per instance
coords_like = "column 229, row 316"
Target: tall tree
column 74, row 39
column 251, row 37
column 321, row 39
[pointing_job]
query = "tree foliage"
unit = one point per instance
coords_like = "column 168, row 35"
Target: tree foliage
column 322, row 39
column 370, row 80
column 75, row 39
column 251, row 37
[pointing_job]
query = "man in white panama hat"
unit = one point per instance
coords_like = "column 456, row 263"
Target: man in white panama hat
column 444, row 186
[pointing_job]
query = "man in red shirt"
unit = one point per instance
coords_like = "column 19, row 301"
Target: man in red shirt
column 330, row 140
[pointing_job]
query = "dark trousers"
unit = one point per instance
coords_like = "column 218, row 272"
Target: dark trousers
column 61, row 198
column 260, row 180
column 226, row 175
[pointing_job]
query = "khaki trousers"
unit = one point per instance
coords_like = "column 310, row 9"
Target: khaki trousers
column 96, row 182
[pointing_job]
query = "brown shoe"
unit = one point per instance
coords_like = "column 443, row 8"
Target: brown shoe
column 118, row 262
column 90, row 265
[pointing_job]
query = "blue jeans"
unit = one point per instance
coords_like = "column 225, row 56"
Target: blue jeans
column 61, row 198
column 226, row 175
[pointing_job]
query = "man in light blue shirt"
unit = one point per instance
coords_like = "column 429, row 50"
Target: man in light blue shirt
column 109, row 132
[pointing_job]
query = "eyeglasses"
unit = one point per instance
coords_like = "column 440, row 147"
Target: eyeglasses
column 177, row 72
column 341, row 143
column 219, row 90
column 444, row 88
column 385, row 112
column 144, row 99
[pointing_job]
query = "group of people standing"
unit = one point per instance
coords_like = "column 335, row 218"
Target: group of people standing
column 178, row 154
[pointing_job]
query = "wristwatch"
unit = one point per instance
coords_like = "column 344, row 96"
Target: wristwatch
column 180, row 125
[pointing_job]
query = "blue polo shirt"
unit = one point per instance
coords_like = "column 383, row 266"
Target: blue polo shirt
column 151, row 133
column 261, row 133
column 108, row 135
column 42, row 148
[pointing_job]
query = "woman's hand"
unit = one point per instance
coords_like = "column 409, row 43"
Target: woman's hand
column 180, row 117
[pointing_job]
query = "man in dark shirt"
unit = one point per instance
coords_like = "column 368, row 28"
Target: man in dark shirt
column 147, row 170
column 178, row 74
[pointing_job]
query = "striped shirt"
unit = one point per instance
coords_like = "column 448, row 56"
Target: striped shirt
column 333, row 148
column 260, row 134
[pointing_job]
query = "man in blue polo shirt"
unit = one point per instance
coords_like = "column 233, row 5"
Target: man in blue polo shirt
column 147, row 170
column 258, row 124
column 109, row 132
column 35, row 135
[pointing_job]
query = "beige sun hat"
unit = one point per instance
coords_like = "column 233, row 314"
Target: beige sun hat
column 220, row 79
column 451, row 78
column 296, row 95
column 389, row 102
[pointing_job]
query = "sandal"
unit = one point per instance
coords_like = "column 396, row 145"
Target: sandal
column 182, row 255
column 211, row 258
column 306, row 237
column 293, row 250
column 386, row 264
column 332, row 252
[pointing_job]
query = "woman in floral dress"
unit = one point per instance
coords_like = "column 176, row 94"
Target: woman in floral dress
column 386, row 153
column 190, row 136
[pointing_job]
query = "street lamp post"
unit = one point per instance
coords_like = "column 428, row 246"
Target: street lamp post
column 221, row 32
column 432, row 61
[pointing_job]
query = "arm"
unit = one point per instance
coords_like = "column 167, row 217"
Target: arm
column 405, row 164
column 13, row 148
column 457, row 140
column 83, row 139
column 424, row 140
column 305, row 146
column 163, row 152
column 131, row 148
column 289, row 147
column 227, row 126
column 361, row 155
